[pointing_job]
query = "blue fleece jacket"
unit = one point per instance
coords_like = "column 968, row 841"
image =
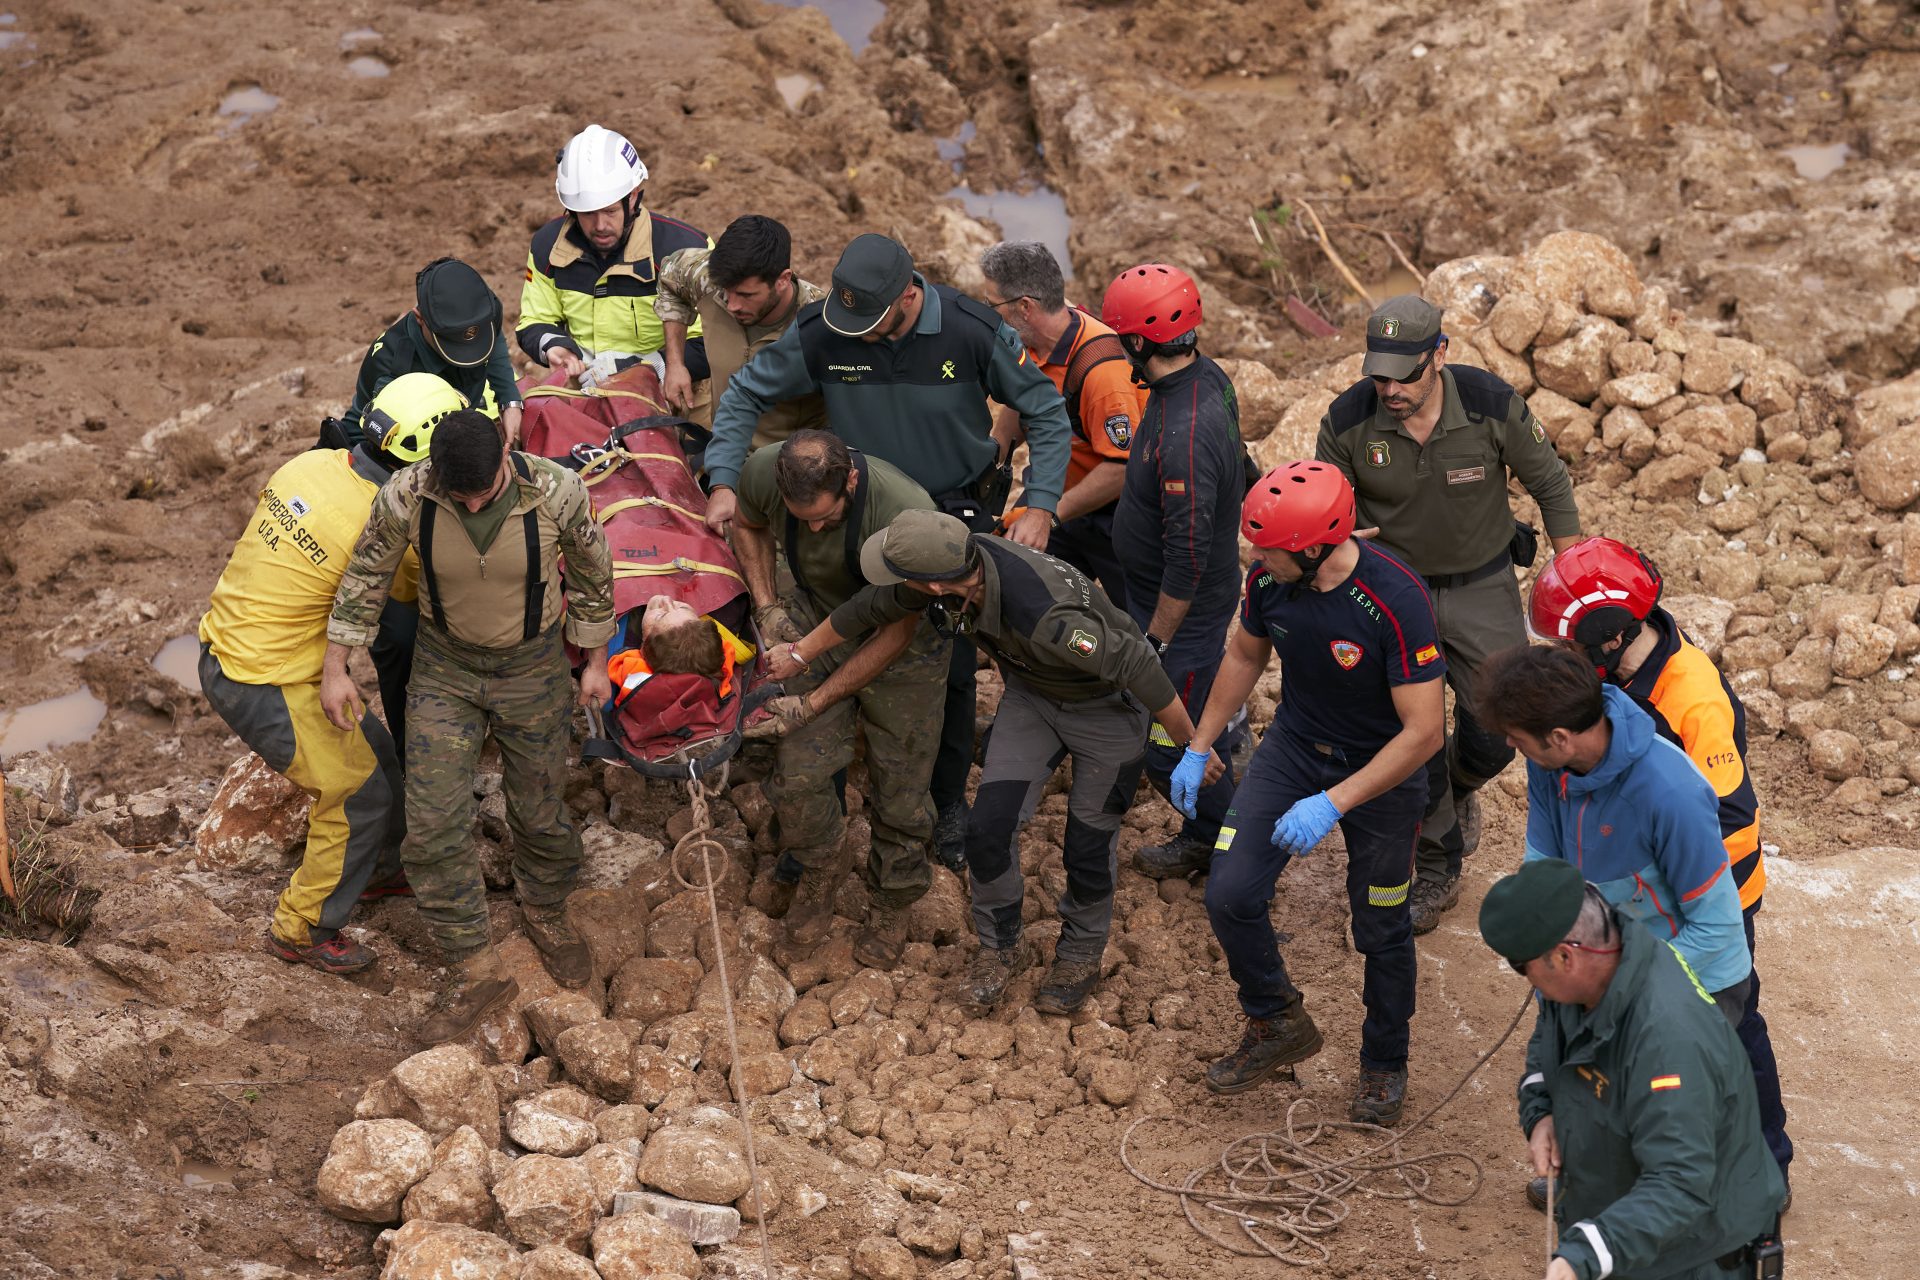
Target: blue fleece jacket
column 1643, row 826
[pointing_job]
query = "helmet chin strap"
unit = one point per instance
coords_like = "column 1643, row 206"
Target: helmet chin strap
column 1308, row 566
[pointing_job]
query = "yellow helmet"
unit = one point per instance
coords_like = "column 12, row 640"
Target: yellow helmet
column 401, row 419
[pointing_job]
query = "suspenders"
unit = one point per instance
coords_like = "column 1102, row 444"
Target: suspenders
column 536, row 593
column 856, row 511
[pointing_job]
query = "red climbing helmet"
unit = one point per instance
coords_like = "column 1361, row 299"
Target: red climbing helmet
column 1154, row 300
column 1298, row 505
column 1593, row 591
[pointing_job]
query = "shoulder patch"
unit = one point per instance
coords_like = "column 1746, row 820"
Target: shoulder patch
column 1481, row 394
column 1120, row 430
column 1354, row 406
column 1427, row 656
column 1082, row 643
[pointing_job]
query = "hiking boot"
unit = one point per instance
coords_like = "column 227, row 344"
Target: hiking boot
column 992, row 969
column 1537, row 1194
column 1067, row 986
column 476, row 987
column 338, row 954
column 1429, row 900
column 1268, row 1045
column 810, row 915
column 882, row 938
column 780, row 899
column 561, row 948
column 1468, row 818
column 1378, row 1097
column 394, row 886
column 950, row 838
column 1179, row 857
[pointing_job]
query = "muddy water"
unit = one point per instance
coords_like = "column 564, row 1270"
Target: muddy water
column 853, row 20
column 367, row 67
column 71, row 717
column 1039, row 214
column 248, row 103
column 179, row 661
column 1815, row 163
column 198, row 1175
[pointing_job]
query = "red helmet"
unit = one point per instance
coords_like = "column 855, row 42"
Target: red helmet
column 1593, row 591
column 1298, row 505
column 1154, row 300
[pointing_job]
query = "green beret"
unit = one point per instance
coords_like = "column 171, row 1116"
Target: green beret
column 1527, row 914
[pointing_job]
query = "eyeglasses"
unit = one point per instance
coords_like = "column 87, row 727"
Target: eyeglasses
column 1007, row 302
column 1419, row 372
column 1520, row 966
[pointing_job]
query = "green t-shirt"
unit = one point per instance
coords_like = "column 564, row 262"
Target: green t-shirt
column 823, row 556
column 483, row 526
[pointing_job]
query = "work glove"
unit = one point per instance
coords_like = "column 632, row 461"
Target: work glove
column 785, row 713
column 1188, row 777
column 1306, row 824
column 776, row 627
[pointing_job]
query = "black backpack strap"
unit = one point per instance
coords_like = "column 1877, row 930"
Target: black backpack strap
column 427, row 508
column 856, row 507
column 1096, row 350
column 536, row 579
column 792, row 540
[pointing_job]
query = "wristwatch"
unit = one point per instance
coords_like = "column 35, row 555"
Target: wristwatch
column 1158, row 645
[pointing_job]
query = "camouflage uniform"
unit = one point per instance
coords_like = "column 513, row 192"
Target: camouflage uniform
column 477, row 672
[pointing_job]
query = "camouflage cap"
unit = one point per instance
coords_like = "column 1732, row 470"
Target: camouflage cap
column 1399, row 333
column 1529, row 913
column 919, row 546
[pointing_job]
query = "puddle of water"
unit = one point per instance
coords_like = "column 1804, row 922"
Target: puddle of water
column 198, row 1175
column 852, row 20
column 358, row 38
column 795, row 88
column 367, row 67
column 1283, row 85
column 179, row 661
column 954, row 150
column 1815, row 163
column 1039, row 214
column 72, row 717
column 7, row 19
column 15, row 40
column 248, row 103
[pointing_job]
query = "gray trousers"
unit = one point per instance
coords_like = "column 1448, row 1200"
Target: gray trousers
column 1032, row 734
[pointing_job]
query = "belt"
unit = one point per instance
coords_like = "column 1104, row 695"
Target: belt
column 1442, row 581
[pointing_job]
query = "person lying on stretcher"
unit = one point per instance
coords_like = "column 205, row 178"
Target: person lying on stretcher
column 675, row 684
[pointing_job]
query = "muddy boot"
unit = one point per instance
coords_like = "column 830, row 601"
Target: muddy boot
column 950, row 838
column 992, row 969
column 562, row 950
column 1181, row 856
column 1378, row 1097
column 810, row 916
column 1468, row 810
column 1067, row 986
column 477, row 986
column 1268, row 1045
column 1429, row 900
column 338, row 955
column 882, row 938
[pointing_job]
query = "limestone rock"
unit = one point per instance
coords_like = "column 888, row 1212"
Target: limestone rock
column 1569, row 425
column 651, row 988
column 612, row 924
column 1708, row 370
column 463, row 1152
column 1888, row 469
column 865, row 992
column 548, row 1132
column 639, row 1246
column 1834, row 606
column 930, row 1229
column 1729, row 575
column 697, row 1162
column 656, row 1074
column 1576, row 367
column 555, row 1262
column 883, row 1258
column 546, row 1200
column 942, row 915
column 1261, row 395
column 1807, row 672
column 426, row 1250
column 447, row 1087
column 1638, row 390
column 1633, row 357
column 1293, row 439
column 1879, row 410
column 549, row 1016
column 257, row 819
column 49, row 779
column 598, row 1055
column 1836, row 754
column 1860, row 648
column 568, row 1100
column 1468, row 288
column 1727, row 430
column 624, row 1123
column 983, row 1039
column 457, row 1195
column 1703, row 618
column 761, row 993
column 1773, row 386
column 1677, row 475
column 1113, row 1081
column 613, row 1171
column 806, row 1022
column 370, row 1167
column 1587, row 270
column 700, row 1223
column 1515, row 321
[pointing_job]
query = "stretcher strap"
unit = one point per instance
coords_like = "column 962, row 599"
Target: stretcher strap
column 613, row 509
column 571, row 393
column 679, row 564
column 609, row 461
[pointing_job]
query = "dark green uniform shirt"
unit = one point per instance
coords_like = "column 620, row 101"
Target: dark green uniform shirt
column 1651, row 1095
column 1442, row 507
column 1042, row 620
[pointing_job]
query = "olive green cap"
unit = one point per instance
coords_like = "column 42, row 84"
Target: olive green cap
column 919, row 546
column 1399, row 334
column 1529, row 913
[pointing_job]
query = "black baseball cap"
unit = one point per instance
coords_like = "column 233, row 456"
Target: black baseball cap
column 458, row 311
column 1529, row 913
column 872, row 273
column 1399, row 333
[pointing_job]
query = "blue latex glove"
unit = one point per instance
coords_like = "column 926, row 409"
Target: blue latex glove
column 1184, row 787
column 1306, row 824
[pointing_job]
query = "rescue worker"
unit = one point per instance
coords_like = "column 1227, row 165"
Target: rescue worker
column 1428, row 449
column 1177, row 525
column 1362, row 709
column 906, row 368
column 593, row 271
column 262, row 641
column 491, row 528
column 1080, row 682
column 824, row 499
column 742, row 294
column 1635, row 1096
column 1601, row 598
column 453, row 332
column 1082, row 358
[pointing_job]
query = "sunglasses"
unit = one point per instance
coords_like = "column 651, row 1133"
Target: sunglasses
column 1520, row 966
column 1007, row 302
column 1419, row 372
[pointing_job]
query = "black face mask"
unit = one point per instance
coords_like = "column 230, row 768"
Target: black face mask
column 1592, row 635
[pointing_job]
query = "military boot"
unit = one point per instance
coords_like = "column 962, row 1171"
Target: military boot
column 1181, row 856
column 1469, row 818
column 950, row 838
column 810, row 916
column 1378, row 1097
column 561, row 948
column 992, row 969
column 1268, row 1045
column 1067, row 985
column 1429, row 900
column 883, row 937
column 477, row 986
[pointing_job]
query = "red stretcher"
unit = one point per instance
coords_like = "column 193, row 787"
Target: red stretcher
column 626, row 448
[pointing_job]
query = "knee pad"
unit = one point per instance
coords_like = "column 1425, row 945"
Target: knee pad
column 992, row 823
column 1086, row 853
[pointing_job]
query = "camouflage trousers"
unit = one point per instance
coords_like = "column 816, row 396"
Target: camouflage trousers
column 460, row 695
column 901, row 713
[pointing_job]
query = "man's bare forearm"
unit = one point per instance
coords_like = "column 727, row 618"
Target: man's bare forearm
column 1168, row 614
column 1096, row 489
column 753, row 544
column 867, row 662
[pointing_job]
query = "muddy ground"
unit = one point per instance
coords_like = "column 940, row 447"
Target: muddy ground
column 190, row 280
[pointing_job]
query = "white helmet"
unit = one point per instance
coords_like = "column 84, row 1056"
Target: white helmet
column 598, row 168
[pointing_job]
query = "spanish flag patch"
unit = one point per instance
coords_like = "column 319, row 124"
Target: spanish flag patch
column 1664, row 1082
column 1426, row 655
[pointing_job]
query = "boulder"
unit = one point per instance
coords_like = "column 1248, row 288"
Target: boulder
column 598, row 1055
column 1836, row 754
column 983, row 1039
column 651, row 988
column 1879, row 410
column 883, row 1258
column 549, row 1016
column 1515, row 321
column 942, row 915
column 427, row 1250
column 700, row 1223
column 256, row 821
column 1586, row 270
column 1293, row 439
column 612, row 922
column 1703, row 618
column 1261, row 395
column 1860, row 647
column 1569, row 425
column 457, row 1195
column 1576, row 367
column 1888, row 469
column 703, row 1163
column 555, row 1262
column 656, row 1074
column 639, row 1246
column 868, row 991
column 1807, row 671
column 623, row 1123
column 761, row 993
column 1708, row 369
column 1113, row 1081
column 1771, row 386
column 806, row 1022
column 501, row 1038
column 462, row 1151
column 613, row 1173
column 548, row 1132
column 929, row 1229
column 1468, row 288
column 546, row 1200
column 370, row 1167
column 1726, row 430
column 447, row 1087
column 1634, row 357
